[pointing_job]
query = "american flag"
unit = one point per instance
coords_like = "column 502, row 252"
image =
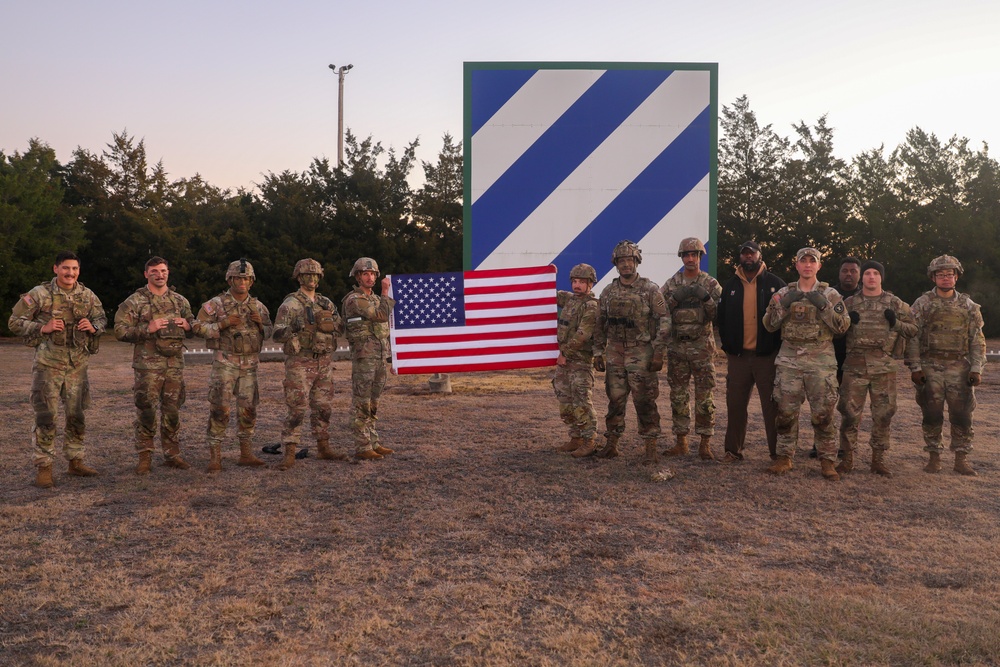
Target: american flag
column 474, row 320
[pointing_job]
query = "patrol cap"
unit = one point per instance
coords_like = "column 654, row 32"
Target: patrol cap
column 808, row 251
column 752, row 245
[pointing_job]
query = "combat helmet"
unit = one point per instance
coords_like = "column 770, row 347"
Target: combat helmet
column 626, row 249
column 944, row 262
column 691, row 244
column 365, row 264
column 307, row 265
column 241, row 268
column 584, row 272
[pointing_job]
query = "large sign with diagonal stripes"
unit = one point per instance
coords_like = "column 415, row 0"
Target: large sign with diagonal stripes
column 563, row 160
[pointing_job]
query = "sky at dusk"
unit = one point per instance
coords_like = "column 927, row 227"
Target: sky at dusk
column 234, row 90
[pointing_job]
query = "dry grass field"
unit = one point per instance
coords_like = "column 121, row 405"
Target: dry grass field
column 477, row 544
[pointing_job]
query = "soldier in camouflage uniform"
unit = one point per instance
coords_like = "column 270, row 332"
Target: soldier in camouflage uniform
column 156, row 320
column 633, row 325
column 880, row 324
column 367, row 318
column 809, row 314
column 307, row 324
column 63, row 321
column 235, row 325
column 692, row 297
column 574, row 379
column 946, row 359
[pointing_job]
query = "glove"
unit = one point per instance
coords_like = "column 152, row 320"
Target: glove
column 856, row 316
column 890, row 317
column 817, row 299
column 699, row 292
column 918, row 378
column 791, row 296
column 975, row 379
column 599, row 364
column 656, row 363
column 231, row 321
column 680, row 294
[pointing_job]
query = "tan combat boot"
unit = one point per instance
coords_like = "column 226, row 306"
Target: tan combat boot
column 367, row 455
column 586, row 449
column 324, row 452
column 962, row 466
column 878, row 463
column 382, row 451
column 705, row 449
column 76, row 467
column 289, row 460
column 934, row 464
column 145, row 462
column 651, row 457
column 846, row 464
column 214, row 458
column 829, row 470
column 246, row 456
column 574, row 444
column 44, row 478
column 781, row 465
column 609, row 450
column 175, row 461
column 681, row 448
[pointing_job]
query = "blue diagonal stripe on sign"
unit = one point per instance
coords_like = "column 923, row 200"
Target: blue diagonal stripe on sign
column 665, row 182
column 492, row 89
column 557, row 153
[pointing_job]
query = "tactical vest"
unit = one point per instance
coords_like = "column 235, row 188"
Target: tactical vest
column 359, row 329
column 71, row 311
column 946, row 327
column 569, row 323
column 310, row 340
column 871, row 331
column 244, row 338
column 628, row 317
column 168, row 341
column 804, row 324
column 688, row 322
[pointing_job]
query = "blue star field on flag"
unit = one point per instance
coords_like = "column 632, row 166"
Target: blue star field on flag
column 429, row 300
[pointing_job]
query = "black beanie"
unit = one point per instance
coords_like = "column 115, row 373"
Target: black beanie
column 872, row 264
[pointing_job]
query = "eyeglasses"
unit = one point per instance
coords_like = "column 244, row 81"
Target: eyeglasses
column 944, row 274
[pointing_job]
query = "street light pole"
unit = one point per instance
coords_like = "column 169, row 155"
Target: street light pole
column 341, row 72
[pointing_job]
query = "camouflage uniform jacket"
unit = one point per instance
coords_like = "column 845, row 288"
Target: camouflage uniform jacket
column 947, row 329
column 870, row 342
column 237, row 346
column 632, row 315
column 296, row 325
column 367, row 319
column 48, row 301
column 807, row 332
column 691, row 318
column 577, row 319
column 165, row 347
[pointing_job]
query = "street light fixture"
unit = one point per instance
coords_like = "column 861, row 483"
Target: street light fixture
column 341, row 72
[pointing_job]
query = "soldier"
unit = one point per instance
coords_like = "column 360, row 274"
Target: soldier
column 692, row 298
column 156, row 320
column 633, row 325
column 307, row 324
column 574, row 379
column 235, row 325
column 880, row 324
column 750, row 349
column 367, row 318
column 809, row 314
column 63, row 321
column 946, row 360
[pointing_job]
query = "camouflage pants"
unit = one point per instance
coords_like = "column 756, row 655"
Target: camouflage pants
column 229, row 381
column 854, row 388
column 947, row 382
column 49, row 386
column 308, row 380
column 620, row 380
column 163, row 387
column 368, row 377
column 684, row 363
column 792, row 387
column 574, row 386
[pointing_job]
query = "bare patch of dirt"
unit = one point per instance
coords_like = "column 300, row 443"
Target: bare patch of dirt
column 477, row 544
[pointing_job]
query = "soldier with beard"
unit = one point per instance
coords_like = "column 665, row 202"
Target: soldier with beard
column 574, row 378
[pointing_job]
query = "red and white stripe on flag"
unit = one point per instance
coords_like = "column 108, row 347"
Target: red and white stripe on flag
column 495, row 319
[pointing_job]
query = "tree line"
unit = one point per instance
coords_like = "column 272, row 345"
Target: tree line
column 902, row 207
